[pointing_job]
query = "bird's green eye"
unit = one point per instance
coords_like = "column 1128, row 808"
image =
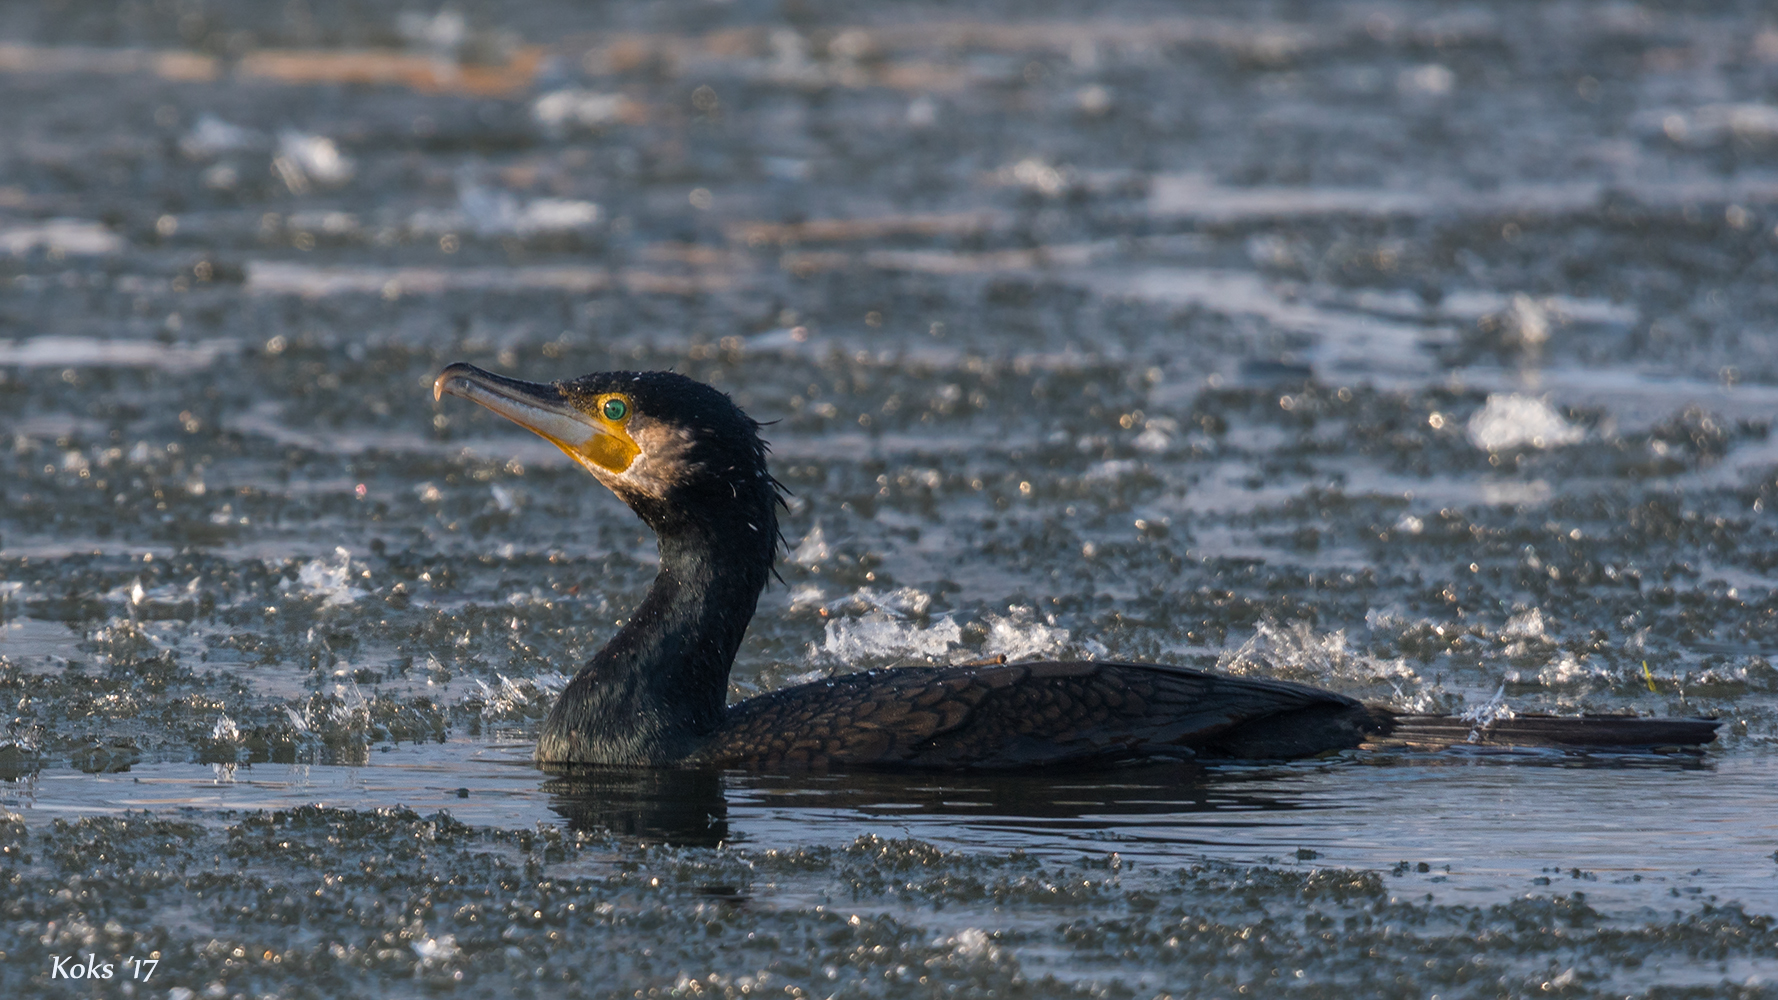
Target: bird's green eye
column 616, row 409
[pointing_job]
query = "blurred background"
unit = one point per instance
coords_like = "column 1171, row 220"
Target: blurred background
column 1425, row 351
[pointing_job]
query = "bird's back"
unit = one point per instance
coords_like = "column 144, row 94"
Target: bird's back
column 1023, row 715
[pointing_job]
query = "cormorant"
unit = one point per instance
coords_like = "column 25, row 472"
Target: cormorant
column 692, row 465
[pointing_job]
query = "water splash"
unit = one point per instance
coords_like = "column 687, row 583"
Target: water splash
column 1482, row 716
column 1297, row 652
column 877, row 636
column 510, row 699
column 1020, row 635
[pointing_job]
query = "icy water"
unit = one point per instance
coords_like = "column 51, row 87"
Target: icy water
column 1424, row 352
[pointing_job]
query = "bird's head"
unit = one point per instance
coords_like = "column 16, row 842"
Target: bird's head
column 680, row 453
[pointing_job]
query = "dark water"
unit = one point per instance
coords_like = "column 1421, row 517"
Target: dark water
column 1417, row 351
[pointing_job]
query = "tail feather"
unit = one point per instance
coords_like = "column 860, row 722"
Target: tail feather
column 1599, row 732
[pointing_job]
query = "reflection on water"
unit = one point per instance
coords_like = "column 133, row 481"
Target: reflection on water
column 673, row 806
column 1637, row 828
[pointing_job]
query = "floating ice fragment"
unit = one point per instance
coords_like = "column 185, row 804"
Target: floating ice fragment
column 221, row 177
column 1711, row 123
column 225, row 730
column 61, row 236
column 1513, row 421
column 1529, row 321
column 1567, row 671
column 503, row 499
column 434, row 951
column 1112, row 470
column 1036, row 175
column 1525, row 625
column 1431, row 79
column 973, row 942
column 1093, row 99
column 922, row 112
column 784, row 168
column 212, row 136
column 1392, row 618
column 331, row 223
column 444, row 32
column 304, row 158
column 298, row 722
column 813, row 549
column 490, row 212
column 1157, row 436
column 551, row 215
column 562, row 109
column 330, row 578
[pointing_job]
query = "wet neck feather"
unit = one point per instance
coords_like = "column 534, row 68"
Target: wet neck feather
column 660, row 686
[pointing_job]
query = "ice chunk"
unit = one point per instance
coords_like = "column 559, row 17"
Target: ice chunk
column 304, row 159
column 330, row 578
column 562, row 109
column 212, row 136
column 436, row 951
column 1156, row 436
column 60, row 236
column 1525, row 625
column 922, row 112
column 489, row 212
column 813, row 549
column 973, row 943
column 1511, row 420
column 225, row 730
column 1431, row 79
column 1093, row 99
column 1112, row 470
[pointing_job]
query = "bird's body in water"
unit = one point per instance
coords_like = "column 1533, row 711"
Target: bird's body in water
column 692, row 465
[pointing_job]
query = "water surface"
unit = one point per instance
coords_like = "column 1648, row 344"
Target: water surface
column 1419, row 352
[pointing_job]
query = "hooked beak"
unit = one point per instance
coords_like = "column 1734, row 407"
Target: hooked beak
column 544, row 410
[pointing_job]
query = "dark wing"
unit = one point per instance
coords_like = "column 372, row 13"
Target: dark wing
column 1028, row 714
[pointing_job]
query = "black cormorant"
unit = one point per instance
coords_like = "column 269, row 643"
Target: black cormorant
column 692, row 465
